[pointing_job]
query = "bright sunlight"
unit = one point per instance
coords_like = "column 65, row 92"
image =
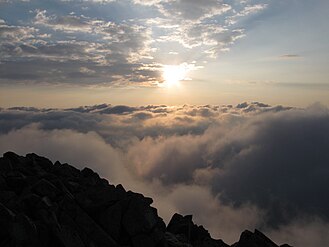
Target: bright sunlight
column 173, row 74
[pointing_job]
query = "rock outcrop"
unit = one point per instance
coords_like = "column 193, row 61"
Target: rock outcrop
column 44, row 204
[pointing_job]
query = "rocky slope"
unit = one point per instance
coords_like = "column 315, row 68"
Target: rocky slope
column 44, row 204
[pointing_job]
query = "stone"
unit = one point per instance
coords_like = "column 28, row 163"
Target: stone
column 16, row 181
column 45, row 188
column 5, row 165
column 56, row 205
column 173, row 241
column 183, row 228
column 23, row 231
column 139, row 217
column 6, row 196
column 255, row 239
column 111, row 219
column 6, row 219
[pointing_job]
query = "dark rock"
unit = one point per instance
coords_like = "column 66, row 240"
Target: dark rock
column 6, row 196
column 174, row 241
column 24, row 231
column 45, row 188
column 139, row 217
column 14, row 158
column 6, row 219
column 5, row 165
column 56, row 205
column 111, row 219
column 65, row 170
column 16, row 181
column 256, row 239
column 39, row 161
column 186, row 231
column 183, row 225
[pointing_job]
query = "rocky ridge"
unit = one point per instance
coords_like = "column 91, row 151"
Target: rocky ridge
column 44, row 204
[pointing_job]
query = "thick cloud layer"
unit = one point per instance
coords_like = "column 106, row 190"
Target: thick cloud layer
column 233, row 167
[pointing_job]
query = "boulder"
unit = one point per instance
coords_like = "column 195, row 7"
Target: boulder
column 56, row 205
column 185, row 231
column 254, row 239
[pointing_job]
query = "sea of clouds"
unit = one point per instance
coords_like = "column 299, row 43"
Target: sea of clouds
column 233, row 167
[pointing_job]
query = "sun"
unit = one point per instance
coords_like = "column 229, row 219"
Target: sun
column 173, row 74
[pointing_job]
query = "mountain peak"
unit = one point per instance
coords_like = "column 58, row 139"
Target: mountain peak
column 46, row 204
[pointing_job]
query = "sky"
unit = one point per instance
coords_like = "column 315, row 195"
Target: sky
column 216, row 108
column 68, row 53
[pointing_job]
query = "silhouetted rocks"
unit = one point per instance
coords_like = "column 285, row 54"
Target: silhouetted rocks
column 44, row 204
column 182, row 228
column 255, row 239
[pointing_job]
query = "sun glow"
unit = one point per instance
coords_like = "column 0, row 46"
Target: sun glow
column 173, row 74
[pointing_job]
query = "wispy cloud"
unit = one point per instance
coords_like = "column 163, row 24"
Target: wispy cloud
column 290, row 56
column 73, row 46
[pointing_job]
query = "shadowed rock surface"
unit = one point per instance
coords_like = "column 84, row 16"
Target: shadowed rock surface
column 44, row 204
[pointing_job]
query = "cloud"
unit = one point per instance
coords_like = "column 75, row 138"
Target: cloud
column 250, row 165
column 68, row 44
column 194, row 10
column 290, row 56
column 113, row 58
column 11, row 34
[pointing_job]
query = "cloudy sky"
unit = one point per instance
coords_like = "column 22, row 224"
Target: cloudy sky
column 65, row 53
column 165, row 97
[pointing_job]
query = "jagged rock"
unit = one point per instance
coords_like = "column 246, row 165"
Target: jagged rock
column 6, row 219
column 16, row 181
column 56, row 205
column 24, row 231
column 185, row 230
column 45, row 188
column 174, row 241
column 255, row 239
column 5, row 165
column 111, row 220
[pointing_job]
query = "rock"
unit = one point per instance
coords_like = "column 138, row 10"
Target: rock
column 56, row 205
column 111, row 220
column 14, row 158
column 6, row 219
column 256, row 239
column 16, row 181
column 41, row 162
column 24, row 231
column 139, row 217
column 6, row 196
column 69, row 237
column 5, row 165
column 183, row 228
column 183, row 225
column 65, row 170
column 45, row 188
column 86, row 223
column 173, row 241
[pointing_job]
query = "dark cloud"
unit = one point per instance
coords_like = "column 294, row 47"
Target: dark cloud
column 282, row 168
column 120, row 109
